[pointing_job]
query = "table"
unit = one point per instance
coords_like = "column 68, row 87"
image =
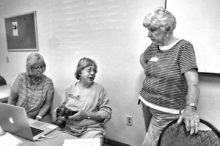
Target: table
column 4, row 92
column 55, row 138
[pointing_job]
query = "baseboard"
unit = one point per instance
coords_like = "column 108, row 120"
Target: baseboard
column 114, row 143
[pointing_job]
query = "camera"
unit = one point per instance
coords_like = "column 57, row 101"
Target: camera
column 62, row 114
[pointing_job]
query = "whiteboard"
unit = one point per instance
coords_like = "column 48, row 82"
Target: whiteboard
column 198, row 21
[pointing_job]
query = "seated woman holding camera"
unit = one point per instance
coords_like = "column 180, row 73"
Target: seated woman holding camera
column 89, row 100
column 33, row 90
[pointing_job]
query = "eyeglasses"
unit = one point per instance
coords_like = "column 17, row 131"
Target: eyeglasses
column 38, row 67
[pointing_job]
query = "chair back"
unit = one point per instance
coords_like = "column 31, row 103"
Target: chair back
column 2, row 81
column 176, row 135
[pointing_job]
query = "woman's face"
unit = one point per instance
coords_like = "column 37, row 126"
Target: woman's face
column 157, row 35
column 88, row 74
column 38, row 70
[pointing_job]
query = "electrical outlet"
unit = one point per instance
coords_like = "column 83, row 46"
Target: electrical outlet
column 7, row 59
column 129, row 120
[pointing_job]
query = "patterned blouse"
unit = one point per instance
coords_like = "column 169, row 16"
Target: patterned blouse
column 32, row 97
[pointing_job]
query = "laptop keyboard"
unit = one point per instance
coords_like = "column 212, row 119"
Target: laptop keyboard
column 35, row 131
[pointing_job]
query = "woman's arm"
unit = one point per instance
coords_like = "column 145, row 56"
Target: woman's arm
column 193, row 87
column 102, row 114
column 13, row 97
column 96, row 116
column 190, row 114
column 14, row 92
column 83, row 118
column 46, row 105
column 142, row 60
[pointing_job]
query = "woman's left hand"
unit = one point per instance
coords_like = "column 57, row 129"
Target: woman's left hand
column 191, row 119
column 81, row 115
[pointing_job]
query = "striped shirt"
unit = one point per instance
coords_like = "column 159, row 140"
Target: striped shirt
column 165, row 84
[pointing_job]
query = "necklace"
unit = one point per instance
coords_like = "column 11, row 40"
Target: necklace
column 35, row 80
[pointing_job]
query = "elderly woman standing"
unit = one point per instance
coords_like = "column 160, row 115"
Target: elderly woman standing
column 33, row 90
column 170, row 89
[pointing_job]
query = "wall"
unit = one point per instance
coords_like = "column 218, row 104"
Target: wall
column 199, row 26
column 109, row 31
column 198, row 21
column 208, row 106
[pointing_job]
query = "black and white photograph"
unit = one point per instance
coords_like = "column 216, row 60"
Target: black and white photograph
column 109, row 73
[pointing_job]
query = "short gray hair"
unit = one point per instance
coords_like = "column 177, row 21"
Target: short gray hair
column 162, row 18
column 83, row 63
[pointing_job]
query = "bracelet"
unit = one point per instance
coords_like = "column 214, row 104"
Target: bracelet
column 39, row 117
column 192, row 105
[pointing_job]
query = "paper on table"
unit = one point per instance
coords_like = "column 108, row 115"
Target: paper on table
column 82, row 142
column 9, row 140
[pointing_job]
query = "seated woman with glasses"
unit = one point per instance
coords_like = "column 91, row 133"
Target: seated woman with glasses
column 89, row 99
column 33, row 90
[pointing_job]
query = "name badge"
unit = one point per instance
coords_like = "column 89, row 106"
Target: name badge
column 154, row 59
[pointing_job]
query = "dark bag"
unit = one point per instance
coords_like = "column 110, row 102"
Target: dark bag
column 176, row 135
column 62, row 114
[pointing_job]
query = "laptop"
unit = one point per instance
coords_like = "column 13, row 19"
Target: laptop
column 14, row 120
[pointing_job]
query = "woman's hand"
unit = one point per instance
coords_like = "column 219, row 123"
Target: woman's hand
column 38, row 117
column 81, row 115
column 191, row 119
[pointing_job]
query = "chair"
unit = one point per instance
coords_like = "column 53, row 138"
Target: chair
column 4, row 90
column 176, row 135
column 2, row 81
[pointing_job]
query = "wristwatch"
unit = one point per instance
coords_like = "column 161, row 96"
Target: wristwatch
column 39, row 117
column 192, row 105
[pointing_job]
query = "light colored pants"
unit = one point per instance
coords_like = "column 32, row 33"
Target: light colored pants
column 158, row 121
column 147, row 115
column 94, row 134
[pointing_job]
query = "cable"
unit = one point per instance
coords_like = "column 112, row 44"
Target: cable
column 43, row 137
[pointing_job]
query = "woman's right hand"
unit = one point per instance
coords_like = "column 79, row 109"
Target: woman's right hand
column 80, row 115
column 191, row 120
